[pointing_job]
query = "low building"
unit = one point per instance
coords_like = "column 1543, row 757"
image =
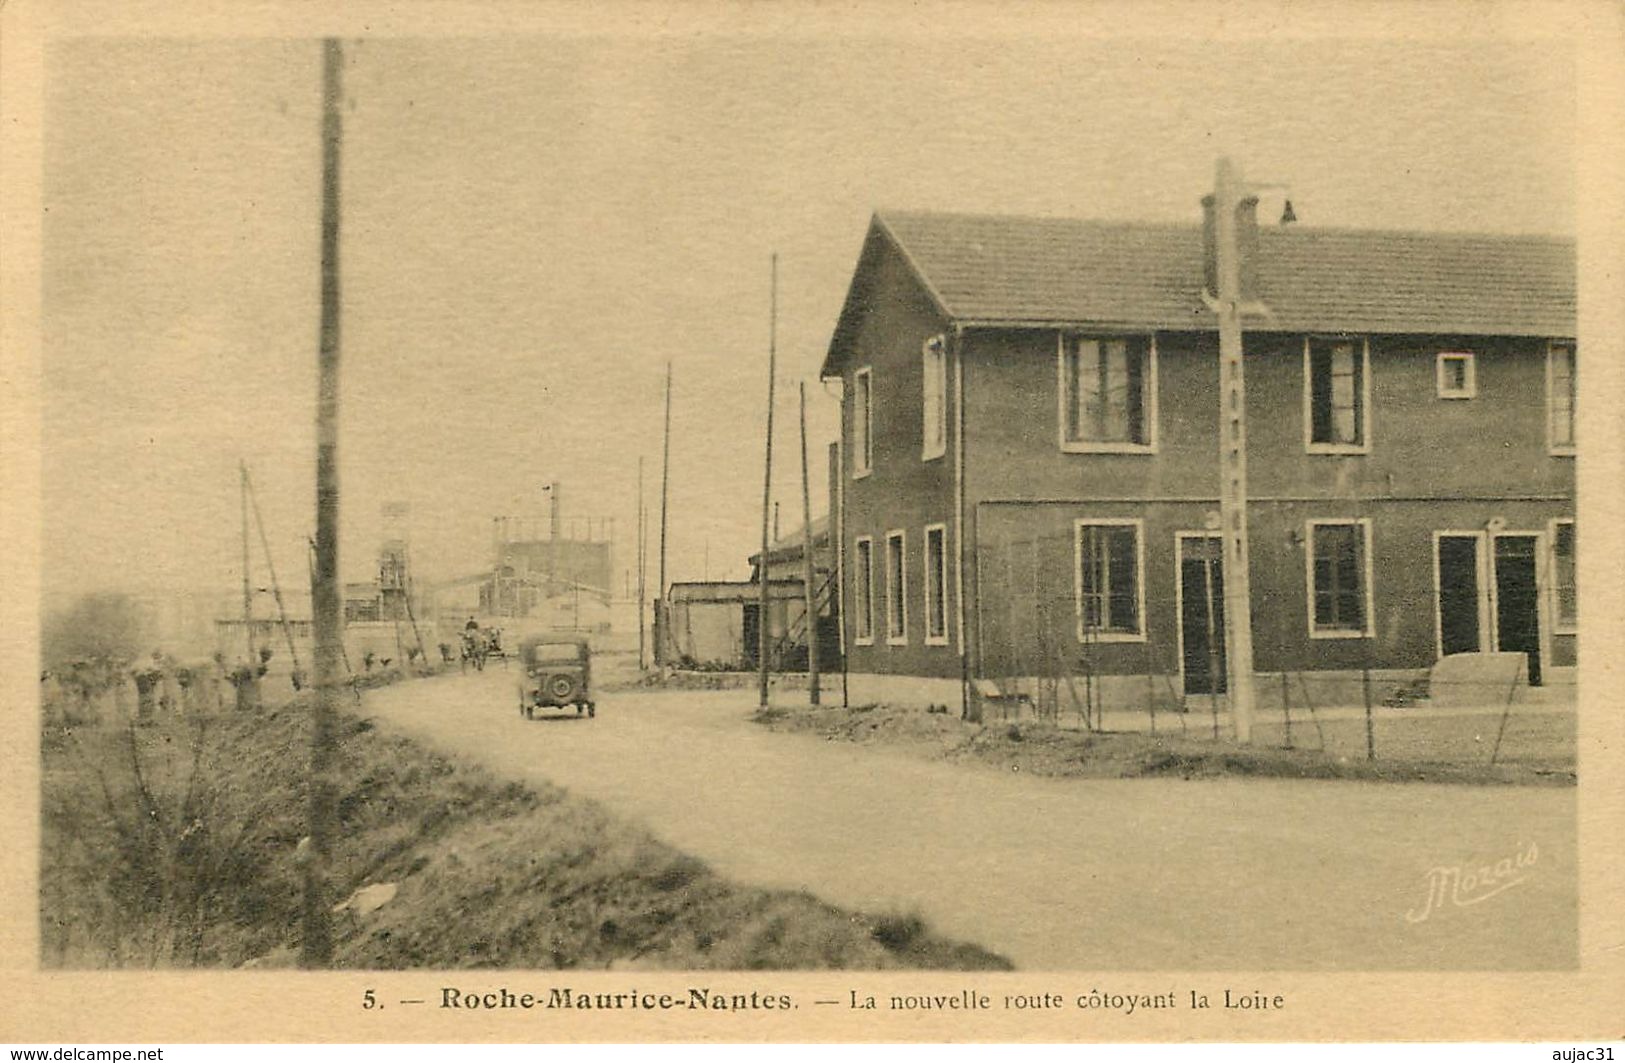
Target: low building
column 714, row 624
column 785, row 564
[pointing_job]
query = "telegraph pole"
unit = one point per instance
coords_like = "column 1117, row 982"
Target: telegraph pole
column 276, row 587
column 316, row 947
column 767, row 487
column 1229, row 198
column 248, row 594
column 640, row 539
column 807, row 562
column 662, row 607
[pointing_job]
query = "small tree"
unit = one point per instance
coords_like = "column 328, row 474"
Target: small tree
column 95, row 625
column 147, row 677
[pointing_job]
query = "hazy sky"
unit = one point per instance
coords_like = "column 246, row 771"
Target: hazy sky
column 532, row 227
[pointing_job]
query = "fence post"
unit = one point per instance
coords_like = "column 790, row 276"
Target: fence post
column 1150, row 688
column 1011, row 667
column 1286, row 706
column 1365, row 692
column 1309, row 703
column 1506, row 710
column 1180, row 713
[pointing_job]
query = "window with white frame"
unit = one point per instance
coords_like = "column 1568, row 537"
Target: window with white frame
column 863, row 421
column 1109, row 567
column 934, row 398
column 1339, row 558
column 1108, row 393
column 1560, row 395
column 896, row 590
column 936, row 585
column 1456, row 374
column 1336, row 392
column 1565, row 591
column 863, row 591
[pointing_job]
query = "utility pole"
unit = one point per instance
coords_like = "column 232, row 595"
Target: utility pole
column 662, row 613
column 641, row 645
column 807, row 561
column 316, row 947
column 276, row 587
column 1231, row 198
column 555, row 531
column 248, row 593
column 767, row 486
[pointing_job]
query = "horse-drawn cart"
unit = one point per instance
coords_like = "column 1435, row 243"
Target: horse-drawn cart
column 480, row 644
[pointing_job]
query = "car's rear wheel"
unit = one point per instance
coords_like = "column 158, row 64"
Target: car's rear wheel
column 562, row 687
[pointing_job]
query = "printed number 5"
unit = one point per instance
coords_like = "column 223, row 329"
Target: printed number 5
column 368, row 1000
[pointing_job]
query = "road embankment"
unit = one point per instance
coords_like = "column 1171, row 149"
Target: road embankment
column 1428, row 749
column 178, row 844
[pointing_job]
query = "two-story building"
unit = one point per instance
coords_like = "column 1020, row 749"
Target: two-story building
column 1029, row 465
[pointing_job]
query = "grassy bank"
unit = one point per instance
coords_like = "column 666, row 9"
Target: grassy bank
column 178, row 845
column 1051, row 751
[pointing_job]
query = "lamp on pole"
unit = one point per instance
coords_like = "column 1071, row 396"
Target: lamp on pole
column 1233, row 204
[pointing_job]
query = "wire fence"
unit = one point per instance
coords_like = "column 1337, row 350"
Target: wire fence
column 1103, row 654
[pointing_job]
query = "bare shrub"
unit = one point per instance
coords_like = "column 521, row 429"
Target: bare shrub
column 139, row 859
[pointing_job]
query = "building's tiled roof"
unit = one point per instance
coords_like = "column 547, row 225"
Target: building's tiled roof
column 1014, row 270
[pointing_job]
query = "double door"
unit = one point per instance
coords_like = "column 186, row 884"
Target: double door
column 1489, row 594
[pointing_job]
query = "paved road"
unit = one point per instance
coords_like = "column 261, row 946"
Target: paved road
column 1159, row 874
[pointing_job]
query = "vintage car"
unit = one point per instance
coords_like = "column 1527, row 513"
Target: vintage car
column 557, row 674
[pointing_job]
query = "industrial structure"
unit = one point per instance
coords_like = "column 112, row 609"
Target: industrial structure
column 555, row 572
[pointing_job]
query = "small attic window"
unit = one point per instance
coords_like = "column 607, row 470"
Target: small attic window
column 1457, row 375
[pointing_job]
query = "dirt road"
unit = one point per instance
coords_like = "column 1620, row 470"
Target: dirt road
column 1167, row 874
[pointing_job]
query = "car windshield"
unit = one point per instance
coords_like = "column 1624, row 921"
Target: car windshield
column 555, row 652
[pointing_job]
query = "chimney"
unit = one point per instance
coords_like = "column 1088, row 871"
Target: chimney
column 1246, row 246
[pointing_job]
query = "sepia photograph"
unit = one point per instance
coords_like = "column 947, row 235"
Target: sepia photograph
column 625, row 502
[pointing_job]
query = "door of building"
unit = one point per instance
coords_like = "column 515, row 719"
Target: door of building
column 1462, row 593
column 1517, row 599
column 1201, row 613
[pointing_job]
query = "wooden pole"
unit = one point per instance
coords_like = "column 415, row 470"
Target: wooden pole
column 1365, row 695
column 642, row 648
column 276, row 587
column 807, row 561
column 662, row 612
column 767, row 486
column 248, row 594
column 316, row 946
column 1011, row 668
column 411, row 615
